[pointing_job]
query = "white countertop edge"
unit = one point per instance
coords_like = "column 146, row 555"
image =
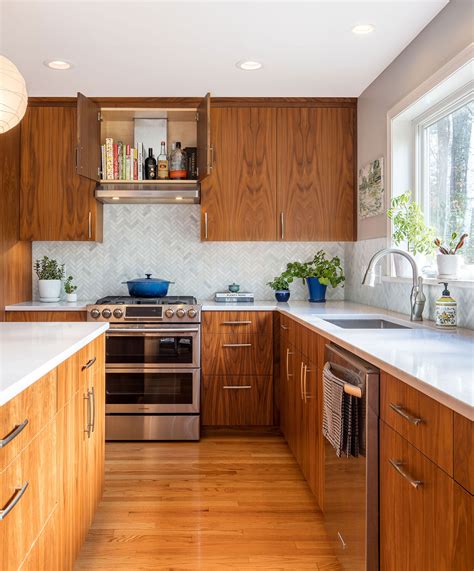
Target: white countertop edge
column 54, row 306
column 15, row 389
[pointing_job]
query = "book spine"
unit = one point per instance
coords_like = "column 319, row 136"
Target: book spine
column 124, row 162
column 127, row 170
column 103, row 166
column 119, row 160
column 109, row 152
column 135, row 164
column 140, row 162
column 116, row 165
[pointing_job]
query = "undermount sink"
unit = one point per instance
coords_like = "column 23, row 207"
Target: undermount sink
column 366, row 323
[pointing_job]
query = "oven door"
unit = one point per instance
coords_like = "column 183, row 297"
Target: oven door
column 171, row 391
column 142, row 347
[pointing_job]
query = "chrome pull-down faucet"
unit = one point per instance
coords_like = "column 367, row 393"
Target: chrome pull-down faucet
column 417, row 297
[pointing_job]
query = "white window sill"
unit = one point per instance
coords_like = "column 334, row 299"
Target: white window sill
column 461, row 283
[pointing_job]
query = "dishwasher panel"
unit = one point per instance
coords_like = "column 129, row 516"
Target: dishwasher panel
column 351, row 484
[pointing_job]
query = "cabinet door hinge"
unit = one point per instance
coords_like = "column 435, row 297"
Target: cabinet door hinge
column 99, row 116
column 197, row 116
column 99, row 172
column 197, row 171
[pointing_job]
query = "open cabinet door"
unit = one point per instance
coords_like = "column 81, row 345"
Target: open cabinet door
column 88, row 138
column 204, row 159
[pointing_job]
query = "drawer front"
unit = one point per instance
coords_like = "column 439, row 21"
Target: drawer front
column 35, row 466
column 236, row 354
column 237, row 401
column 416, row 508
column 259, row 322
column 25, row 415
column 424, row 422
column 464, row 452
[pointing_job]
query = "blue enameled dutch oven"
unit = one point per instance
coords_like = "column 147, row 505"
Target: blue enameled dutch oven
column 148, row 287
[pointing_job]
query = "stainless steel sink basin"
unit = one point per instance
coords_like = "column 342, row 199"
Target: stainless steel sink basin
column 366, row 324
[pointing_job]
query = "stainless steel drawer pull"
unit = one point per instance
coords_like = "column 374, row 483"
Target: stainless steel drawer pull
column 404, row 414
column 343, row 543
column 87, row 397
column 13, row 501
column 288, row 374
column 236, row 323
column 284, row 327
column 230, row 345
column 89, row 363
column 398, row 465
column 206, row 233
column 13, row 434
column 237, row 387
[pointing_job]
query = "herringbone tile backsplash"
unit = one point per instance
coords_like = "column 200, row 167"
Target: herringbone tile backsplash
column 164, row 240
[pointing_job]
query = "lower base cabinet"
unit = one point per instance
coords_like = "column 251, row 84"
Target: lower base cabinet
column 59, row 466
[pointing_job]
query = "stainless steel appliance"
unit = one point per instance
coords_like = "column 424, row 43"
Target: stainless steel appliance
column 153, row 360
column 351, row 483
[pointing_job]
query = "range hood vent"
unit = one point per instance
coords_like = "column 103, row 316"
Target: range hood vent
column 148, row 192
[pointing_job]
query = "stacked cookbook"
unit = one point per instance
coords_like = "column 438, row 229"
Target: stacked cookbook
column 121, row 161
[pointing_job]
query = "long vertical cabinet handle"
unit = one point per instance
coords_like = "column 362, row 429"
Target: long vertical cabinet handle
column 206, row 233
column 87, row 397
column 282, row 225
column 89, row 225
column 305, row 383
column 93, row 409
column 211, row 157
column 301, row 380
column 288, row 353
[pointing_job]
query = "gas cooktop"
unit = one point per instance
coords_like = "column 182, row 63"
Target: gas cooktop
column 129, row 300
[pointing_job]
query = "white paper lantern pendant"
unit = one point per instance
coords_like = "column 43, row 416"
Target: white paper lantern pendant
column 13, row 95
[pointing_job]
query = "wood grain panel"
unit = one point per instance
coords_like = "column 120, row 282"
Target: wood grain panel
column 239, row 197
column 45, row 554
column 25, row 407
column 236, row 354
column 433, row 435
column 204, row 137
column 464, row 452
column 316, row 183
column 259, row 322
column 46, row 316
column 88, row 138
column 55, row 202
column 416, row 524
column 15, row 256
column 250, row 406
column 35, row 464
column 463, row 521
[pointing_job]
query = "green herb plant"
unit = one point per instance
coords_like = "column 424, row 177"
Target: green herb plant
column 409, row 225
column 279, row 283
column 49, row 269
column 328, row 271
column 69, row 287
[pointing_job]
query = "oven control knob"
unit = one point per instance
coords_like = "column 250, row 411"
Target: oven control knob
column 180, row 313
column 169, row 313
column 106, row 313
column 192, row 313
column 95, row 313
column 118, row 313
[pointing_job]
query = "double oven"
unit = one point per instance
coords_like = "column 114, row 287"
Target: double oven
column 153, row 381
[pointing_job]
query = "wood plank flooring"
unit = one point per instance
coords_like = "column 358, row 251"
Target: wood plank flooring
column 227, row 502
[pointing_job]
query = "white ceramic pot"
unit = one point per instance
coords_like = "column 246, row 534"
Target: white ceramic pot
column 49, row 290
column 71, row 297
column 447, row 265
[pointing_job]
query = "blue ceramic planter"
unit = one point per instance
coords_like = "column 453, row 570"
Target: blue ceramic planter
column 317, row 291
column 282, row 295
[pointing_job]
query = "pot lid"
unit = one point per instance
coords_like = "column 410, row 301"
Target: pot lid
column 148, row 279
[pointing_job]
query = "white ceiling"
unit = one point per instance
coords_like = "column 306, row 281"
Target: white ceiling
column 175, row 48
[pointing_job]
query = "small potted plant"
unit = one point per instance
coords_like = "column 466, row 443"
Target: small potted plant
column 446, row 259
column 50, row 274
column 281, row 287
column 70, row 290
column 409, row 230
column 318, row 273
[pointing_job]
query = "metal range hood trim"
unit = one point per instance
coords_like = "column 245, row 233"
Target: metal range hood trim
column 182, row 192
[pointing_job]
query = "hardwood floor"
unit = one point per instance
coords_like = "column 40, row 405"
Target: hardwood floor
column 228, row 502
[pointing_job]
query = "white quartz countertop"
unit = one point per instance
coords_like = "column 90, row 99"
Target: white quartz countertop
column 438, row 363
column 54, row 306
column 28, row 351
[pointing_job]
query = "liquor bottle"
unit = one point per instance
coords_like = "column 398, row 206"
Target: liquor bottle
column 162, row 162
column 150, row 166
column 178, row 163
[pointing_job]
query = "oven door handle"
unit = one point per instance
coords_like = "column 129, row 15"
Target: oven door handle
column 149, row 332
column 154, row 370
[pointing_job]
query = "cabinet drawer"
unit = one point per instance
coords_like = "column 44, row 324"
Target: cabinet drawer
column 236, row 354
column 464, row 452
column 25, row 415
column 237, row 401
column 259, row 322
column 424, row 422
column 35, row 471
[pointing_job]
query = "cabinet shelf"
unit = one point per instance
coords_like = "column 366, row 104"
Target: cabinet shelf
column 148, row 192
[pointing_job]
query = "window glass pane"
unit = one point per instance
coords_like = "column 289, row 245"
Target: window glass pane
column 449, row 176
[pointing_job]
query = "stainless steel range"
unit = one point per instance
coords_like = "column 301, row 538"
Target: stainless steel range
column 153, row 360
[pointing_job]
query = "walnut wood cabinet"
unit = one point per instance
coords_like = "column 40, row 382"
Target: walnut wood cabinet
column 32, row 316
column 55, row 465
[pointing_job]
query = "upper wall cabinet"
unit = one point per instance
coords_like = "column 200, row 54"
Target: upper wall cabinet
column 281, row 173
column 88, row 138
column 55, row 202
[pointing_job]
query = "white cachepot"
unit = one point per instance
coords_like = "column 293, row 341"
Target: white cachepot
column 49, row 290
column 447, row 265
column 71, row 297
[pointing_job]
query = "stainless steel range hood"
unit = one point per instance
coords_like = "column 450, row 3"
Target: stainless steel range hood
column 149, row 192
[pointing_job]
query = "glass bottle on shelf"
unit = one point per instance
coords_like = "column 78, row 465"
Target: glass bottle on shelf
column 150, row 166
column 162, row 162
column 178, row 163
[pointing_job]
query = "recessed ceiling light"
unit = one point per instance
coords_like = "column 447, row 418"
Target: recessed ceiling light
column 115, row 198
column 58, row 64
column 363, row 29
column 179, row 198
column 249, row 65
